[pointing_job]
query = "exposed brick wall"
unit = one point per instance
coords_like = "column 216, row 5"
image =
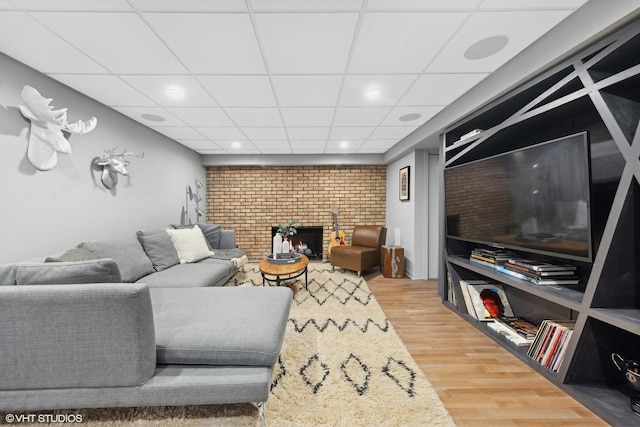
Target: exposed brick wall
column 252, row 199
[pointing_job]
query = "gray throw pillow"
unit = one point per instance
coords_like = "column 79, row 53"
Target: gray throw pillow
column 59, row 273
column 159, row 248
column 127, row 252
column 72, row 255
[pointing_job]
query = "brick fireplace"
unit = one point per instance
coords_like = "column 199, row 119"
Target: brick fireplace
column 252, row 199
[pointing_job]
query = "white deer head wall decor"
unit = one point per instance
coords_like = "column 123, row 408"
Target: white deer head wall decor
column 46, row 137
column 113, row 164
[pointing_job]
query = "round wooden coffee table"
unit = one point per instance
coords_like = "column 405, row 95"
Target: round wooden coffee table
column 284, row 272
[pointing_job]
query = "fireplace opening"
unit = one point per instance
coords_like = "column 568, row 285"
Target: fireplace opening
column 307, row 241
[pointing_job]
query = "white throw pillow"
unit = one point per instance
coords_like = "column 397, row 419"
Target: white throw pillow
column 190, row 244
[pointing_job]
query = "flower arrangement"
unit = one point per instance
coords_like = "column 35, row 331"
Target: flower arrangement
column 289, row 228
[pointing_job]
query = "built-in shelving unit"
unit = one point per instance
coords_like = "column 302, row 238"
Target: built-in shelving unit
column 598, row 92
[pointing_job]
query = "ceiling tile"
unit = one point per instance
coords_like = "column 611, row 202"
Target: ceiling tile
column 200, row 144
column 335, row 147
column 360, row 116
column 75, row 5
column 42, row 50
column 351, row 133
column 155, row 87
column 273, row 147
column 314, row 49
column 308, row 133
column 254, row 116
column 240, row 91
column 149, row 116
column 307, row 91
column 244, row 147
column 5, row 5
column 297, row 5
column 391, row 132
column 202, row 116
column 422, row 4
column 401, row 42
column 425, row 112
column 106, row 38
column 108, row 89
column 522, row 29
column 439, row 89
column 190, row 5
column 532, row 4
column 178, row 132
column 219, row 133
column 377, row 145
column 208, row 47
column 391, row 88
column 264, row 133
column 308, row 147
column 307, row 116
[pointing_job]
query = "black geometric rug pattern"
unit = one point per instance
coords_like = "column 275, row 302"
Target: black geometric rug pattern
column 341, row 362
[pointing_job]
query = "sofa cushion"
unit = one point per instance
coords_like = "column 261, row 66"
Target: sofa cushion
column 239, row 326
column 190, row 244
column 198, row 274
column 212, row 233
column 55, row 273
column 159, row 248
column 73, row 254
column 127, row 252
column 68, row 336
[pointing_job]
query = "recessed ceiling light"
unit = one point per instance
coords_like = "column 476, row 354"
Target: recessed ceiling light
column 236, row 145
column 344, row 144
column 486, row 47
column 153, row 117
column 410, row 117
column 174, row 92
column 373, row 93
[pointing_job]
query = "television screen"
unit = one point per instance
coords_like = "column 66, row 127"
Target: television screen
column 534, row 199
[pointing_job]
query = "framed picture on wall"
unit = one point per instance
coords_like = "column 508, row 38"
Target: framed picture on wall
column 404, row 183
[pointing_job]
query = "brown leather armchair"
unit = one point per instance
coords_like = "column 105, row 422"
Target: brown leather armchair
column 364, row 251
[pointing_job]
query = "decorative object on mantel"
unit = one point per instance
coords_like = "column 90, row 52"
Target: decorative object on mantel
column 404, row 183
column 46, row 137
column 113, row 164
column 288, row 229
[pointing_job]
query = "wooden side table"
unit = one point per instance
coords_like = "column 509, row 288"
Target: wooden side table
column 393, row 262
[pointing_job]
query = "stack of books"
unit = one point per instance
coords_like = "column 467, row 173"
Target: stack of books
column 550, row 344
column 491, row 257
column 540, row 272
column 516, row 329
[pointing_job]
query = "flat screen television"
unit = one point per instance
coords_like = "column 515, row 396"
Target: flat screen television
column 535, row 199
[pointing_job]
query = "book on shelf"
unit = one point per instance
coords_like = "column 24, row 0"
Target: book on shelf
column 541, row 280
column 536, row 273
column 550, row 343
column 485, row 300
column 534, row 265
column 519, row 325
column 492, row 257
column 509, row 334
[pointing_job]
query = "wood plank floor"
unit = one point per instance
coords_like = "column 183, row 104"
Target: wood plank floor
column 480, row 383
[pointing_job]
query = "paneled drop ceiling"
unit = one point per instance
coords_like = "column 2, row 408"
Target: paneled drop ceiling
column 275, row 76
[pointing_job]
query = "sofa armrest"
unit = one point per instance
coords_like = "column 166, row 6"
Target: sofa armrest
column 66, row 336
column 228, row 239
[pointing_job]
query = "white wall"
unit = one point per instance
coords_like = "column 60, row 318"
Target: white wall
column 417, row 218
column 49, row 212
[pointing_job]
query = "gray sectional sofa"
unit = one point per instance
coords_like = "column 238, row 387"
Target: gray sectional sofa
column 112, row 331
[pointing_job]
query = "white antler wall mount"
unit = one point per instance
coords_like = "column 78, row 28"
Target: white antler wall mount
column 46, row 137
column 113, row 164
